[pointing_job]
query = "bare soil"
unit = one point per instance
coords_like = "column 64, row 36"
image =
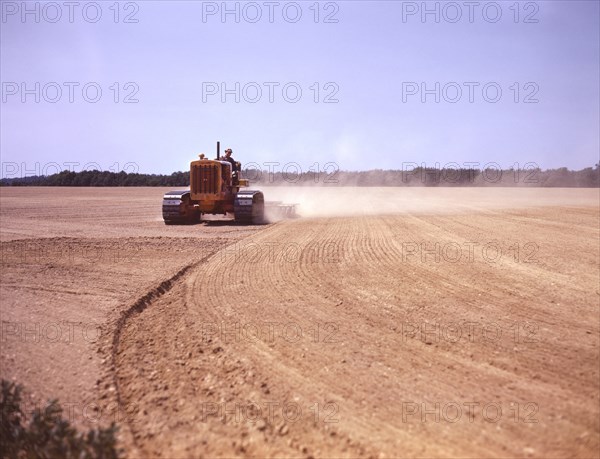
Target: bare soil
column 399, row 323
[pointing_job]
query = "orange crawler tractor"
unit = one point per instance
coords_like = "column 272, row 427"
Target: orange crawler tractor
column 215, row 189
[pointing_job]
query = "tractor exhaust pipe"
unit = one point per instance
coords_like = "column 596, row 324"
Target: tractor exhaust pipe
column 218, row 150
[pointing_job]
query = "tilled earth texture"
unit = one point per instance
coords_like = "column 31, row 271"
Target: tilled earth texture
column 382, row 322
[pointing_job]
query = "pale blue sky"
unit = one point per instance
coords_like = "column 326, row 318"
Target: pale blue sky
column 367, row 54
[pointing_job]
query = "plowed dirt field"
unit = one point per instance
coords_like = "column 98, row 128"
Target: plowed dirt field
column 382, row 323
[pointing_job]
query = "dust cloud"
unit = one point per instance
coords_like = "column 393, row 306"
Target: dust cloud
column 356, row 201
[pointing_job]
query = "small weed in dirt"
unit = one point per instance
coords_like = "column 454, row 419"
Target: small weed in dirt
column 48, row 435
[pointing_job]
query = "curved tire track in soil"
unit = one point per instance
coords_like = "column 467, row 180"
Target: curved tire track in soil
column 112, row 339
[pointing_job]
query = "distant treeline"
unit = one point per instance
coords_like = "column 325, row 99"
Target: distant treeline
column 430, row 177
column 100, row 178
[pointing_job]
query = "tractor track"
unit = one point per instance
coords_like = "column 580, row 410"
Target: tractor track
column 115, row 329
column 111, row 340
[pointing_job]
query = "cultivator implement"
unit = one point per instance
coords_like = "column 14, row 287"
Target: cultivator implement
column 278, row 210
